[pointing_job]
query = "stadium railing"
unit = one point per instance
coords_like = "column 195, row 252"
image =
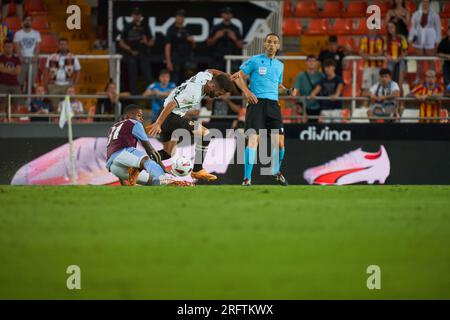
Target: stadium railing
column 9, row 115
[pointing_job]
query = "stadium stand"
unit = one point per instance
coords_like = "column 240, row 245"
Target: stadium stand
column 306, row 9
column 331, row 9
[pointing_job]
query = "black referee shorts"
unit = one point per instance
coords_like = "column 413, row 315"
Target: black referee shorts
column 174, row 122
column 266, row 114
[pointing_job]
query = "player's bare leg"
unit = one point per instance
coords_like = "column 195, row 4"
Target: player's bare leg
column 199, row 172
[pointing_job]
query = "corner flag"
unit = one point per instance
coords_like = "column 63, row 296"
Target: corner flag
column 66, row 112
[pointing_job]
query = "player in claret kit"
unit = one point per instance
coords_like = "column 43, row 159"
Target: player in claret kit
column 128, row 163
column 183, row 98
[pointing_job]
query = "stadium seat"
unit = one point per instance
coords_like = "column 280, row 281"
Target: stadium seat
column 443, row 114
column 331, row 9
column 356, row 9
column 292, row 27
column 411, row 6
column 444, row 27
column 49, row 43
column 445, row 13
column 34, row 7
column 13, row 23
column 305, row 9
column 360, row 113
column 342, row 26
column 359, row 27
column 348, row 41
column 40, row 23
column 287, row 8
column 318, row 27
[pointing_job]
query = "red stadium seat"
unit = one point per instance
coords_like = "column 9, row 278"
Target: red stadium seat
column 360, row 27
column 342, row 26
column 305, row 9
column 331, row 9
column 348, row 41
column 318, row 27
column 292, row 27
column 356, row 9
column 411, row 6
column 33, row 7
column 40, row 23
column 444, row 27
column 13, row 23
column 49, row 43
column 287, row 8
column 445, row 13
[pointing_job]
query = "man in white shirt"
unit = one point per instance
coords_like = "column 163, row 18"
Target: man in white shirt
column 62, row 71
column 182, row 99
column 383, row 96
column 27, row 41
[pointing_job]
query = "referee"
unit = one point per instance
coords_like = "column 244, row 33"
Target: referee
column 263, row 111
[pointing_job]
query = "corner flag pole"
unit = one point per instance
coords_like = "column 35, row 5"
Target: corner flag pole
column 73, row 172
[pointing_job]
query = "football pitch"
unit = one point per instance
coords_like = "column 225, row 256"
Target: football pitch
column 225, row 242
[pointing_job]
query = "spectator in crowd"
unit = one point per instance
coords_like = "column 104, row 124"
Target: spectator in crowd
column 306, row 82
column 39, row 105
column 75, row 104
column 108, row 106
column 400, row 16
column 427, row 93
column 223, row 106
column 395, row 51
column 62, row 71
column 9, row 72
column 179, row 49
column 425, row 34
column 382, row 96
column 136, row 41
column 5, row 34
column 370, row 46
column 444, row 52
column 224, row 39
column 7, row 6
column 161, row 89
column 334, row 52
column 27, row 42
column 331, row 86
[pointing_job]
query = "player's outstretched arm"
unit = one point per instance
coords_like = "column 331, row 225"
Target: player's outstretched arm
column 156, row 127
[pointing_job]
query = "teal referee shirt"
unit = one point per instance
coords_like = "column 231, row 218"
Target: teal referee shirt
column 265, row 74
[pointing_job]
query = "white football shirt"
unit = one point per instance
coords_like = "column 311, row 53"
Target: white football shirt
column 189, row 94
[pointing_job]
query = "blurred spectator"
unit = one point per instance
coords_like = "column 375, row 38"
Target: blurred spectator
column 27, row 42
column 62, row 71
column 400, row 16
column 9, row 71
column 75, row 104
column 427, row 93
column 334, row 52
column 39, row 105
column 444, row 52
column 161, row 89
column 7, row 7
column 223, row 106
column 5, row 34
column 396, row 49
column 108, row 106
column 306, row 82
column 136, row 40
column 371, row 45
column 224, row 39
column 382, row 96
column 331, row 86
column 425, row 34
column 178, row 49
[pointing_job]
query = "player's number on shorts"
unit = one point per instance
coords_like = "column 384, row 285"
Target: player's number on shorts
column 114, row 134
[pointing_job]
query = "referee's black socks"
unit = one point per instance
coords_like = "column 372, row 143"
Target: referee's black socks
column 201, row 148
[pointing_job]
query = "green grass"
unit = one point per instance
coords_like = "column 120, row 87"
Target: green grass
column 225, row 242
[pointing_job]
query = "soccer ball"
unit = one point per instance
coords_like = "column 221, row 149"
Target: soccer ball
column 182, row 167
